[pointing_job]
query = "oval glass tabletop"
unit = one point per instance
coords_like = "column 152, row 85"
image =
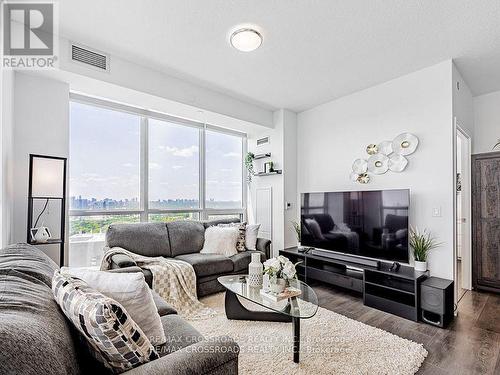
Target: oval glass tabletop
column 303, row 306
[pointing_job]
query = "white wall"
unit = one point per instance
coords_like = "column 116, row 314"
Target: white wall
column 6, row 171
column 284, row 186
column 463, row 109
column 487, row 122
column 133, row 76
column 333, row 135
column 41, row 118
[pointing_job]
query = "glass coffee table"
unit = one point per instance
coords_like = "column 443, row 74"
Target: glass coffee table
column 292, row 310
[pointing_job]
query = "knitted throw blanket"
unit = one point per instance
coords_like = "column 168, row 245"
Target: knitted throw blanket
column 174, row 280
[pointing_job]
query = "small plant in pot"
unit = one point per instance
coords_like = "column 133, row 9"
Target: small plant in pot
column 296, row 228
column 422, row 243
column 249, row 158
column 280, row 271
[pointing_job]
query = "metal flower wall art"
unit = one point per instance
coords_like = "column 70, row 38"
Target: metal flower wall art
column 383, row 157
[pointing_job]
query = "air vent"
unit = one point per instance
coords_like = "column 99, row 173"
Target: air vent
column 86, row 56
column 262, row 141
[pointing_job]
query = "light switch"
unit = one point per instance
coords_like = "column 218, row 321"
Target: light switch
column 436, row 212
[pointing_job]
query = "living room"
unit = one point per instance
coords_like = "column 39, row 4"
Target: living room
column 194, row 187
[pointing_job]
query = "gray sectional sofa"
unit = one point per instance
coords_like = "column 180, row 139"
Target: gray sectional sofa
column 37, row 338
column 180, row 240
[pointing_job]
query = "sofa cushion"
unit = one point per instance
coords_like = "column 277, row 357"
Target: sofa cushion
column 117, row 339
column 28, row 260
column 131, row 291
column 208, row 264
column 149, row 239
column 186, row 237
column 211, row 223
column 179, row 334
column 163, row 307
column 35, row 336
column 242, row 260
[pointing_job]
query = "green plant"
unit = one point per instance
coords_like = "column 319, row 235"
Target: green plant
column 296, row 227
column 422, row 243
column 249, row 158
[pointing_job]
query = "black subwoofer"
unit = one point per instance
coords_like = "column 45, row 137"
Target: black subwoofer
column 436, row 301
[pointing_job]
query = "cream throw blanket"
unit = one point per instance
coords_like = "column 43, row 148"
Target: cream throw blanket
column 174, row 280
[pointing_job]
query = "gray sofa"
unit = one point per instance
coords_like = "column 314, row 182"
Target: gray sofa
column 37, row 338
column 180, row 240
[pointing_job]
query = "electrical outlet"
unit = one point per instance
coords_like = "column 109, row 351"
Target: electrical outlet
column 436, row 212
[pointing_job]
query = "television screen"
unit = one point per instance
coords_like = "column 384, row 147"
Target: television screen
column 370, row 224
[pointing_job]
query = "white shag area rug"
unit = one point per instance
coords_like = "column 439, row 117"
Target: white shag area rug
column 330, row 344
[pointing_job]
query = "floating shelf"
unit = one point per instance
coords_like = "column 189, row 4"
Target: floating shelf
column 262, row 156
column 49, row 242
column 278, row 171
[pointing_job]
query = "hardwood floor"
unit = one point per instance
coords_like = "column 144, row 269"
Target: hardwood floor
column 469, row 345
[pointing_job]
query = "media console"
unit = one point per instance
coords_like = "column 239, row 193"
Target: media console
column 396, row 292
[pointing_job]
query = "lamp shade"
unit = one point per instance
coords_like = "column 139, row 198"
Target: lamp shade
column 47, row 177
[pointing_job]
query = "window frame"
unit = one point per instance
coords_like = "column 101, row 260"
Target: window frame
column 144, row 211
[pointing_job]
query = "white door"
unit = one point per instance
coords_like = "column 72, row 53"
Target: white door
column 263, row 211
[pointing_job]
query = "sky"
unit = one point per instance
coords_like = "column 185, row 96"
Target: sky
column 105, row 157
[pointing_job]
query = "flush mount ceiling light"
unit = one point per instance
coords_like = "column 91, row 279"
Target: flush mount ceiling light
column 246, row 39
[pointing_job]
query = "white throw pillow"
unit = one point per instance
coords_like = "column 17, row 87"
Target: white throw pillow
column 220, row 240
column 132, row 292
column 251, row 234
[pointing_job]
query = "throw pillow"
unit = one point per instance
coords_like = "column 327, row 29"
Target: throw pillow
column 220, row 240
column 132, row 292
column 104, row 323
column 315, row 229
column 252, row 232
column 240, row 244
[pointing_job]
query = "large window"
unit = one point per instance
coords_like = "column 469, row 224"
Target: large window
column 131, row 165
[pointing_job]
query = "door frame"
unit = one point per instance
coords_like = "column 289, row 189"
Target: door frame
column 466, row 209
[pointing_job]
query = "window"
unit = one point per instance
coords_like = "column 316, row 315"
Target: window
column 104, row 176
column 174, row 166
column 130, row 165
column 224, row 157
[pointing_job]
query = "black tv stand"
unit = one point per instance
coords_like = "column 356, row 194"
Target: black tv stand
column 396, row 292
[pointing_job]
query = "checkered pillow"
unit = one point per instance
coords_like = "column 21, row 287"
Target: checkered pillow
column 104, row 323
column 242, row 230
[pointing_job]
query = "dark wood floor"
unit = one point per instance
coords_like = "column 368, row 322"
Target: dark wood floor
column 469, row 345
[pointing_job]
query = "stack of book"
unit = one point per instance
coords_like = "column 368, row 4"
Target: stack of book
column 289, row 292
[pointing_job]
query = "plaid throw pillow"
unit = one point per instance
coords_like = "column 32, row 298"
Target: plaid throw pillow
column 242, row 230
column 105, row 324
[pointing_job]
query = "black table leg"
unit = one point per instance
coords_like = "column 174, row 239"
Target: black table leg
column 296, row 339
column 236, row 311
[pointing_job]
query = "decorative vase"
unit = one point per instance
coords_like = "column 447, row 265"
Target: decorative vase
column 278, row 285
column 255, row 269
column 420, row 266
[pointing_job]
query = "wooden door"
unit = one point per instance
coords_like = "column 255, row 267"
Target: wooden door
column 486, row 221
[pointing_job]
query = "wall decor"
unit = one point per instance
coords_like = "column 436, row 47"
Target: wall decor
column 378, row 164
column 384, row 156
column 404, row 144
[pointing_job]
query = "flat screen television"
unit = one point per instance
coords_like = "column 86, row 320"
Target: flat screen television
column 372, row 224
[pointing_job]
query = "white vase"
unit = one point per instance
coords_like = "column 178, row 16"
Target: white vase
column 420, row 266
column 278, row 285
column 255, row 269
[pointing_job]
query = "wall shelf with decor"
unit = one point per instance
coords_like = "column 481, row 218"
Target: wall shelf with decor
column 260, row 174
column 262, row 156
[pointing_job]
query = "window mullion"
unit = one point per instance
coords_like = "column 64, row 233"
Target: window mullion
column 202, row 173
column 144, row 170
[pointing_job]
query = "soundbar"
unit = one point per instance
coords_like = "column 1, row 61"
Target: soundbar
column 345, row 258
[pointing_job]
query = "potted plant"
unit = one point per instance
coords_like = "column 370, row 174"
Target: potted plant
column 249, row 158
column 422, row 243
column 296, row 227
column 280, row 271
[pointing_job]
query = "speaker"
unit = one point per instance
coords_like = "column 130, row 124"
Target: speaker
column 437, row 301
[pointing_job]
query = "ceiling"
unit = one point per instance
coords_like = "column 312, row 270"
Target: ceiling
column 313, row 51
